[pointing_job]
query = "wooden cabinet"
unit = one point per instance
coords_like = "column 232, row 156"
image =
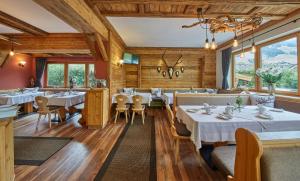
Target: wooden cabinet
column 96, row 108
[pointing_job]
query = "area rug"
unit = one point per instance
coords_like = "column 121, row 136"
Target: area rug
column 36, row 150
column 133, row 157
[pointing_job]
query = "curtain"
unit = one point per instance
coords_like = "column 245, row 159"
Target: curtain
column 226, row 56
column 40, row 64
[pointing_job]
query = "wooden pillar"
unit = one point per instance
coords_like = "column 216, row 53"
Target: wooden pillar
column 6, row 150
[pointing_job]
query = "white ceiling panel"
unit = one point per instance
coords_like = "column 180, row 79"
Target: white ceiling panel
column 162, row 32
column 30, row 12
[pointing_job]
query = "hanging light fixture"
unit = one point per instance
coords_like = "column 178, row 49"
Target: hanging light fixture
column 12, row 53
column 253, row 48
column 243, row 53
column 235, row 41
column 206, row 46
column 213, row 42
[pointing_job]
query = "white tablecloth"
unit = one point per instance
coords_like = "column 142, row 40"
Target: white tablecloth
column 167, row 98
column 209, row 128
column 147, row 98
column 19, row 98
column 66, row 100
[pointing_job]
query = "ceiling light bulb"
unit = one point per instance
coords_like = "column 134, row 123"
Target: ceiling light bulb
column 253, row 48
column 213, row 44
column 235, row 42
column 206, row 44
column 11, row 53
column 242, row 55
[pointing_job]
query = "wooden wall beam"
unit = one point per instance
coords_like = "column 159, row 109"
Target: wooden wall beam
column 52, row 43
column 159, row 51
column 8, row 39
column 20, row 25
column 76, row 13
column 183, row 15
column 205, row 2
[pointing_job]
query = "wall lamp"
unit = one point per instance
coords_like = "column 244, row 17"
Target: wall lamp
column 22, row 64
column 120, row 63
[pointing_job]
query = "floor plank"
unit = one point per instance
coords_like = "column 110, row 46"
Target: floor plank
column 83, row 157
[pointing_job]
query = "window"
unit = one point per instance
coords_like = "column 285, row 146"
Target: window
column 77, row 73
column 283, row 55
column 244, row 70
column 55, row 75
column 91, row 75
column 59, row 74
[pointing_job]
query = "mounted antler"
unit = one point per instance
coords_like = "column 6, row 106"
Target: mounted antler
column 171, row 69
column 163, row 58
column 178, row 61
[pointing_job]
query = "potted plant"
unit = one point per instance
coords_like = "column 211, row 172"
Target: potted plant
column 239, row 102
column 270, row 75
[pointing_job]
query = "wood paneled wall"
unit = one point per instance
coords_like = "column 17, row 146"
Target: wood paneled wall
column 132, row 75
column 199, row 68
column 116, row 71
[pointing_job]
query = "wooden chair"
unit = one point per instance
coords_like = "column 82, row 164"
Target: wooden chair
column 138, row 107
column 44, row 109
column 178, row 131
column 121, row 106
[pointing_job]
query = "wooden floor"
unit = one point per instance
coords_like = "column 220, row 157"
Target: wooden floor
column 83, row 157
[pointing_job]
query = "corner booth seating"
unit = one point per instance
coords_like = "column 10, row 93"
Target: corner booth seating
column 268, row 156
column 281, row 102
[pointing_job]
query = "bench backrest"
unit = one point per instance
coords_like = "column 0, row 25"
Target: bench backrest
column 212, row 99
column 273, row 157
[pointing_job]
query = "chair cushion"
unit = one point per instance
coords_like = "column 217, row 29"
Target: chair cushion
column 280, row 164
column 224, row 158
column 181, row 129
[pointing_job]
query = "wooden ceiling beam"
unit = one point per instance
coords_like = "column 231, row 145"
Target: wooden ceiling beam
column 76, row 13
column 102, row 48
column 20, row 25
column 205, row 2
column 8, row 39
column 182, row 15
column 52, row 43
column 259, row 29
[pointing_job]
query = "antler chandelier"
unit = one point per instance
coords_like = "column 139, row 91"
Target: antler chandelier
column 225, row 23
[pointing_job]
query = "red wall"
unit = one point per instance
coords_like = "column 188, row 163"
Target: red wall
column 12, row 75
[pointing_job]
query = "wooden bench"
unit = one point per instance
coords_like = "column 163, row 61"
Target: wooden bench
column 268, row 156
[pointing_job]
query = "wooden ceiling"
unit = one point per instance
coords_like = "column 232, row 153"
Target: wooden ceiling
column 274, row 10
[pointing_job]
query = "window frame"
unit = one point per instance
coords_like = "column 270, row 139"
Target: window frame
column 277, row 40
column 66, row 70
column 258, row 63
column 233, row 67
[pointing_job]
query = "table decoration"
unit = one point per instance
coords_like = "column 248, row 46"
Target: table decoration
column 270, row 75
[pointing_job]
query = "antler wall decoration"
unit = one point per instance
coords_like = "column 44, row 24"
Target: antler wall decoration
column 171, row 69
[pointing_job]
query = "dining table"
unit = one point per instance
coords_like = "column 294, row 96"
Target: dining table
column 65, row 100
column 147, row 97
column 16, row 98
column 210, row 128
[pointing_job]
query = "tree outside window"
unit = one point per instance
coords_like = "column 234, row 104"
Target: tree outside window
column 282, row 55
column 55, row 75
column 244, row 70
